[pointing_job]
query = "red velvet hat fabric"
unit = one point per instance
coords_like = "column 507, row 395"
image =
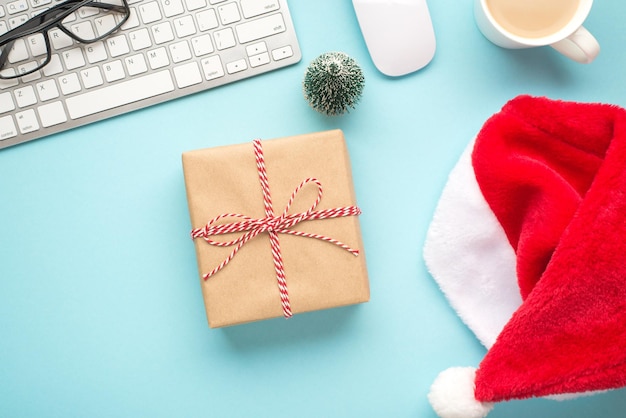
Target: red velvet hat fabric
column 554, row 174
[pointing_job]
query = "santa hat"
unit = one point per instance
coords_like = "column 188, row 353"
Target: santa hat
column 528, row 244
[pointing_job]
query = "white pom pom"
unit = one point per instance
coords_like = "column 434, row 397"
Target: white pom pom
column 452, row 395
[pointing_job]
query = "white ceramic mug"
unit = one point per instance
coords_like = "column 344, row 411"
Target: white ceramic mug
column 571, row 39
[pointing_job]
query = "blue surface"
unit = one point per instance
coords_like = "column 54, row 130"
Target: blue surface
column 100, row 307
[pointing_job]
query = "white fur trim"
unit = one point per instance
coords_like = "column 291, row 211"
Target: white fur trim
column 452, row 395
column 470, row 257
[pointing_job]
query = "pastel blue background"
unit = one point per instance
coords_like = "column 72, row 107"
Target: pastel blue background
column 100, row 307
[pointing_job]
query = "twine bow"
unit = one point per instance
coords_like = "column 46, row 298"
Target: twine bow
column 273, row 225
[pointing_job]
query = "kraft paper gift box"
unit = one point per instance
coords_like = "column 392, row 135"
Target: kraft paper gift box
column 319, row 273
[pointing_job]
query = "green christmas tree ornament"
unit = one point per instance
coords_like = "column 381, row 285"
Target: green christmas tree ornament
column 333, row 83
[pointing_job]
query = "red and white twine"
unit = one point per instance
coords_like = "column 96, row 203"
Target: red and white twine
column 272, row 225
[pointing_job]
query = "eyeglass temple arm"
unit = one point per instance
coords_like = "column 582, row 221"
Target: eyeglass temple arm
column 100, row 5
column 108, row 6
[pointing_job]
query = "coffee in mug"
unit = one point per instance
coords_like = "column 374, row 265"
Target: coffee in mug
column 536, row 23
column 533, row 18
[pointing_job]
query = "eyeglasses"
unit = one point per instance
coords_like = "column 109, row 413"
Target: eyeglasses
column 22, row 49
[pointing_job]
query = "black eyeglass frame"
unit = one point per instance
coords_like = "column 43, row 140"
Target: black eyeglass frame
column 53, row 18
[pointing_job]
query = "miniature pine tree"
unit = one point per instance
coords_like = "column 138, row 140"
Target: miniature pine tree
column 333, row 83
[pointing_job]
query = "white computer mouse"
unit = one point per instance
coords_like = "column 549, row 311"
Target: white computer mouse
column 398, row 33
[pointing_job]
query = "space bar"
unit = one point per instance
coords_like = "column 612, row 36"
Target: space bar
column 120, row 94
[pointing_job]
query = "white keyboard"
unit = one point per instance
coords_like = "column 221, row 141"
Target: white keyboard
column 167, row 49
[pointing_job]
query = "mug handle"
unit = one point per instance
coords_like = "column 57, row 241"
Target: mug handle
column 580, row 46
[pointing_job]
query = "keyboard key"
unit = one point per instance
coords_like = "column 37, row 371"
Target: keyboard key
column 172, row 7
column 162, row 33
column 47, row 90
column 114, row 71
column 136, row 64
column 39, row 3
column 224, row 39
column 140, row 39
column 236, row 66
column 92, row 77
column 180, row 51
column 18, row 52
column 252, row 8
column 207, row 20
column 260, row 28
column 195, row 4
column 69, row 83
column 282, row 53
column 60, row 39
column 29, row 66
column 132, row 21
column 104, row 24
column 25, row 96
column 12, row 82
column 84, row 29
column 54, row 66
column 259, row 59
column 6, row 102
column 52, row 114
column 118, row 46
column 150, row 12
column 202, row 45
column 229, row 13
column 7, row 128
column 16, row 21
column 184, row 26
column 18, row 6
column 187, row 75
column 158, row 58
column 27, row 121
column 70, row 18
column 212, row 67
column 37, row 45
column 85, row 12
column 74, row 58
column 116, row 95
column 256, row 48
column 96, row 52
